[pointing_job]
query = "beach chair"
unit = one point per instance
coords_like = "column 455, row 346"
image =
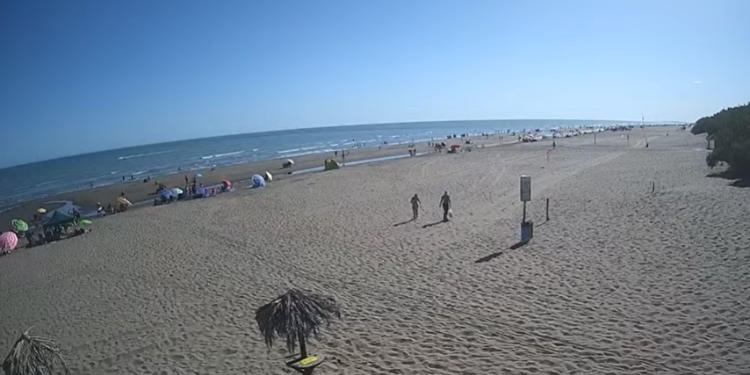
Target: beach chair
column 306, row 365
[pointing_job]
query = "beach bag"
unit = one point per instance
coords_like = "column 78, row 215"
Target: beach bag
column 450, row 212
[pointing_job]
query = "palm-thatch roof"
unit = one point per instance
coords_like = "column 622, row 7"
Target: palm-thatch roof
column 295, row 316
column 32, row 355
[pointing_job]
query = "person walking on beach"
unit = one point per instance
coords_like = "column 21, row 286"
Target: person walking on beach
column 415, row 202
column 445, row 202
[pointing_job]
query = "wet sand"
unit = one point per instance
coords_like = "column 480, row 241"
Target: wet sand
column 621, row 280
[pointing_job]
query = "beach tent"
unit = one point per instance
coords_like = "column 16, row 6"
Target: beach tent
column 288, row 163
column 167, row 194
column 268, row 176
column 19, row 225
column 331, row 164
column 227, row 184
column 454, row 149
column 123, row 204
column 59, row 218
column 8, row 242
column 258, row 181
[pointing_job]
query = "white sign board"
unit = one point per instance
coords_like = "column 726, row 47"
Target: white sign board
column 525, row 188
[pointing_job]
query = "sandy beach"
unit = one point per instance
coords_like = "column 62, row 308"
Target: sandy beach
column 620, row 280
column 138, row 191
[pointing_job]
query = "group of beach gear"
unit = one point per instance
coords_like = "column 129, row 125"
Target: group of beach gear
column 58, row 218
column 18, row 227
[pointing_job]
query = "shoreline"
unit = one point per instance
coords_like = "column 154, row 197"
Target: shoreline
column 140, row 192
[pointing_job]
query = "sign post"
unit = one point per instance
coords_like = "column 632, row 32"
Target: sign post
column 527, row 227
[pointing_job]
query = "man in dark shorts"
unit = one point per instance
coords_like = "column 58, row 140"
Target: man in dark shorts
column 445, row 202
column 415, row 202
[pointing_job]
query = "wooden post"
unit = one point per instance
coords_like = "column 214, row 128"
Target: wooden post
column 524, row 211
column 653, row 186
column 547, row 209
column 302, row 346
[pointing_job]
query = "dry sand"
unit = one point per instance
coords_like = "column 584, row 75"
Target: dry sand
column 619, row 281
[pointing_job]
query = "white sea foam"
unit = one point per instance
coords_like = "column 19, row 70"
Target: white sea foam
column 287, row 151
column 216, row 156
column 126, row 157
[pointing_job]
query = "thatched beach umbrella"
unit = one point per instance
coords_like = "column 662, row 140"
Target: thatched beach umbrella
column 34, row 356
column 294, row 317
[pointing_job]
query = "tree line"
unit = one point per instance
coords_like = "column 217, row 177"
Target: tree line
column 729, row 129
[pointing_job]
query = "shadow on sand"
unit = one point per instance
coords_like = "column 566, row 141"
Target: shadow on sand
column 738, row 180
column 403, row 222
column 435, row 223
column 497, row 254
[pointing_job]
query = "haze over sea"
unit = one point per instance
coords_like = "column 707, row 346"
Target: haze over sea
column 45, row 178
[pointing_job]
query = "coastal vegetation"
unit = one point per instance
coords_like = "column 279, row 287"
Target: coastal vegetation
column 729, row 130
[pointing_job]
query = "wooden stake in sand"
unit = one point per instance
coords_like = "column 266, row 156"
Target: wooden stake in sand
column 547, row 209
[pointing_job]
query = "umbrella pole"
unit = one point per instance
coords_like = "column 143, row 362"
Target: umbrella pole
column 302, row 347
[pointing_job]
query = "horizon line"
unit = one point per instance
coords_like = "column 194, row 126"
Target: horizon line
column 321, row 127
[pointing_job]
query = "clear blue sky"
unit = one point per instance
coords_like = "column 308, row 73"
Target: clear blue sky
column 84, row 76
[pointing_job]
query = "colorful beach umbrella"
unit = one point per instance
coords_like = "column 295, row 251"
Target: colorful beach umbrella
column 19, row 225
column 41, row 210
column 8, row 242
column 227, row 183
column 85, row 222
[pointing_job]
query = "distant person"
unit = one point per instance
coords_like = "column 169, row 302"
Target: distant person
column 29, row 239
column 445, row 202
column 187, row 181
column 100, row 209
column 76, row 213
column 554, row 144
column 415, row 202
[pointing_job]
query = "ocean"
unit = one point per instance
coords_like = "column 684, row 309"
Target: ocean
column 50, row 177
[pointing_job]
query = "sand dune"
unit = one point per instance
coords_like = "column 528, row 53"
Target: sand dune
column 620, row 280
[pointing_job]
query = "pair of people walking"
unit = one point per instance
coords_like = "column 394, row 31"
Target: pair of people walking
column 445, row 204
